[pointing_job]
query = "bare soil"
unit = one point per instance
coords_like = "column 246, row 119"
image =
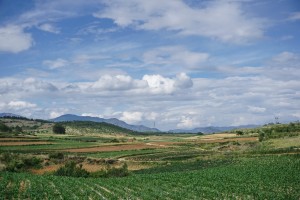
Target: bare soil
column 22, row 143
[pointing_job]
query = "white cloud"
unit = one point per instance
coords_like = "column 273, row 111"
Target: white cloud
column 84, row 58
column 54, row 64
column 149, row 84
column 255, row 109
column 91, row 115
column 285, row 57
column 224, row 20
column 187, row 123
column 17, row 105
column 151, row 116
column 117, row 82
column 131, row 117
column 284, row 66
column 159, row 84
column 183, row 81
column 175, row 56
column 27, row 86
column 13, row 39
column 55, row 114
column 49, row 28
column 294, row 16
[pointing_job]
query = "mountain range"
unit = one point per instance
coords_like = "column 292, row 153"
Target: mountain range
column 9, row 115
column 138, row 128
column 114, row 121
column 211, row 129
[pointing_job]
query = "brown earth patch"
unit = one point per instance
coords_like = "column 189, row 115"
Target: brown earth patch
column 22, row 143
column 93, row 168
column 114, row 148
column 16, row 139
column 50, row 168
column 164, row 144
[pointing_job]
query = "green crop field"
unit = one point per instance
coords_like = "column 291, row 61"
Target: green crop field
column 271, row 177
column 259, row 163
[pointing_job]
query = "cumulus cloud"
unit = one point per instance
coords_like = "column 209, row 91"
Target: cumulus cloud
column 149, row 84
column 187, row 122
column 17, row 105
column 54, row 64
column 183, row 81
column 159, row 84
column 29, row 86
column 49, row 28
column 137, row 116
column 55, row 114
column 223, row 20
column 117, row 82
column 131, row 117
column 13, row 39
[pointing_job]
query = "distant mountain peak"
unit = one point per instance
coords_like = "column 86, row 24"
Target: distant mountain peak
column 114, row 121
column 9, row 115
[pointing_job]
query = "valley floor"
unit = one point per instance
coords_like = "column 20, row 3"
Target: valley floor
column 254, row 165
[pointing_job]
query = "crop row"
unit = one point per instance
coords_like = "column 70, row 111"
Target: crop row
column 252, row 178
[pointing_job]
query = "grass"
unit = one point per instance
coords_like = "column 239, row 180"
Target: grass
column 284, row 143
column 274, row 177
column 121, row 154
column 198, row 167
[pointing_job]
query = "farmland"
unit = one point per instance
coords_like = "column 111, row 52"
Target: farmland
column 160, row 166
column 254, row 178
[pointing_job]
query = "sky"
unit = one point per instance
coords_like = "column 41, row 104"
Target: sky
column 178, row 64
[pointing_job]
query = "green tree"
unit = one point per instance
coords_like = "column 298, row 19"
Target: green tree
column 261, row 135
column 239, row 132
column 4, row 128
column 18, row 129
column 59, row 129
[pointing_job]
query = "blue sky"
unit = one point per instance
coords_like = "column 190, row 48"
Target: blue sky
column 180, row 63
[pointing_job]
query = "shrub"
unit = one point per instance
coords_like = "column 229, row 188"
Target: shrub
column 4, row 127
column 261, row 135
column 112, row 172
column 70, row 169
column 18, row 129
column 57, row 155
column 58, row 129
column 19, row 165
column 6, row 157
column 239, row 132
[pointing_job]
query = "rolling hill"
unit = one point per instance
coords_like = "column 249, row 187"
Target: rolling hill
column 211, row 129
column 114, row 121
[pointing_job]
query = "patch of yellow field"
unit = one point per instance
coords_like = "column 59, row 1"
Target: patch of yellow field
column 212, row 136
column 285, row 142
